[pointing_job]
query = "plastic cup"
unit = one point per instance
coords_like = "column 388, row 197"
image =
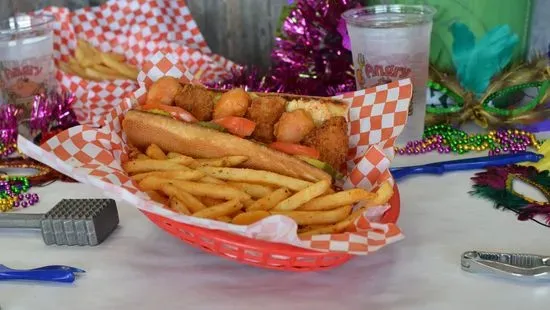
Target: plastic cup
column 26, row 59
column 392, row 42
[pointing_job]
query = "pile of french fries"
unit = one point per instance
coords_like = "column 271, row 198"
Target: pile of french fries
column 92, row 64
column 218, row 189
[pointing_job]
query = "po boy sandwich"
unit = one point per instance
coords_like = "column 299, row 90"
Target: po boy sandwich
column 297, row 136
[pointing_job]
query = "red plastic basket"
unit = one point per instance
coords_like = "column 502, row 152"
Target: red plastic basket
column 262, row 253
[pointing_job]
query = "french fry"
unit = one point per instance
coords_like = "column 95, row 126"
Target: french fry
column 176, row 157
column 148, row 165
column 219, row 191
column 250, row 217
column 117, row 57
column 270, row 201
column 72, row 61
column 183, row 160
column 173, row 155
column 211, row 180
column 104, row 69
column 303, row 196
column 254, row 190
column 155, row 152
column 255, row 176
column 125, row 69
column 333, row 229
column 86, row 54
column 324, row 229
column 191, row 175
column 330, row 191
column 91, row 72
column 142, row 156
column 305, row 228
column 192, row 203
column 232, row 215
column 152, row 183
column 225, row 219
column 204, row 179
column 157, row 197
column 336, row 200
column 316, row 217
column 79, row 54
column 78, row 70
column 178, row 206
column 228, row 161
column 222, row 209
column 383, row 195
column 248, row 202
column 208, row 201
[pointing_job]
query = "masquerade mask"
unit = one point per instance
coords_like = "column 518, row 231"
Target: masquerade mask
column 481, row 91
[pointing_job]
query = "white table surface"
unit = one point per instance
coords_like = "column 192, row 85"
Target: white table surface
column 142, row 267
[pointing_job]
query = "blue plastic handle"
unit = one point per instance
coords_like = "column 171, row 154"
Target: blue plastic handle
column 466, row 164
column 54, row 273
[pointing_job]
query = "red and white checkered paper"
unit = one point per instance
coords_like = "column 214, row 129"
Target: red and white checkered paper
column 376, row 117
column 137, row 29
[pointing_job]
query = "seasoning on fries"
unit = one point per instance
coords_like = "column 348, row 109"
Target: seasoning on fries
column 218, row 189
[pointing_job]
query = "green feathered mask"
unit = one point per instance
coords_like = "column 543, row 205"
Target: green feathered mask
column 486, row 87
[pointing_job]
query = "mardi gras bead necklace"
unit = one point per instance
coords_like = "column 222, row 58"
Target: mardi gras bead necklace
column 7, row 149
column 14, row 193
column 446, row 139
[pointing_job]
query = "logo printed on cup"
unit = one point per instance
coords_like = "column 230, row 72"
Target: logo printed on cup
column 371, row 75
column 381, row 71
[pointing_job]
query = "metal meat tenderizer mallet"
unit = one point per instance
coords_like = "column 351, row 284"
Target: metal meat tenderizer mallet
column 70, row 222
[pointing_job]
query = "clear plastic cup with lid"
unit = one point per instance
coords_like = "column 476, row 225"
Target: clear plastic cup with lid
column 392, row 42
column 26, row 59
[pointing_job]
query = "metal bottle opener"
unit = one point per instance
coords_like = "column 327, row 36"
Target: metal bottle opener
column 510, row 265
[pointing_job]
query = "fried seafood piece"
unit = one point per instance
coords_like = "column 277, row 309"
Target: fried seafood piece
column 196, row 100
column 331, row 140
column 232, row 103
column 164, row 90
column 265, row 111
column 293, row 126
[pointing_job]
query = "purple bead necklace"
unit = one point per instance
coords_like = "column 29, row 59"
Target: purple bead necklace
column 14, row 193
column 446, row 139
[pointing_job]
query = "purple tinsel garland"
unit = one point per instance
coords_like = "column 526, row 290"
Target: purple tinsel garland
column 52, row 111
column 8, row 124
column 310, row 57
column 49, row 112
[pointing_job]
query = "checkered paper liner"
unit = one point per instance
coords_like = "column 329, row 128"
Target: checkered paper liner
column 376, row 117
column 137, row 29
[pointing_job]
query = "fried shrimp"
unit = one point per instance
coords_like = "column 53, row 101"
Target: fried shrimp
column 331, row 140
column 265, row 111
column 164, row 90
column 198, row 101
column 293, row 126
column 232, row 103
